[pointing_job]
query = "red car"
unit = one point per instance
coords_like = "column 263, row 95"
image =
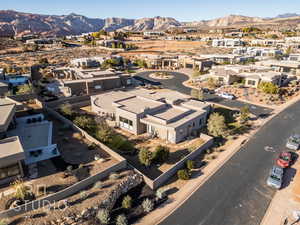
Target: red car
column 284, row 160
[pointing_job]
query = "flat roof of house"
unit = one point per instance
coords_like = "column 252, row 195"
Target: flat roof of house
column 6, row 108
column 11, row 151
column 137, row 104
column 169, row 113
column 33, row 135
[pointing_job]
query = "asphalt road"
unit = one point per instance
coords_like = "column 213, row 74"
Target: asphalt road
column 176, row 84
column 237, row 193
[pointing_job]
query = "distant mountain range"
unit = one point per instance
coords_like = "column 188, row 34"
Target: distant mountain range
column 18, row 23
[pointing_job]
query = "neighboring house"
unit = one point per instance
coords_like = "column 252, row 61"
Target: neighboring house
column 14, row 80
column 154, row 33
column 86, row 81
column 227, row 42
column 252, row 75
column 292, row 67
column 168, row 115
column 293, row 39
column 23, row 140
column 227, row 58
column 195, row 62
column 294, row 57
column 257, row 51
column 266, row 42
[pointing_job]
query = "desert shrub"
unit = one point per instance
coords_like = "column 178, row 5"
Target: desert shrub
column 145, row 157
column 216, row 125
column 104, row 132
column 83, row 194
column 190, row 164
column 103, row 216
column 161, row 193
column 127, row 202
column 21, row 191
column 147, row 205
column 161, row 154
column 183, row 174
column 114, row 176
column 98, row 185
column 121, row 220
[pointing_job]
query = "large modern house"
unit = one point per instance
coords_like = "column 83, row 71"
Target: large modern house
column 23, row 140
column 168, row 115
column 253, row 75
column 85, row 77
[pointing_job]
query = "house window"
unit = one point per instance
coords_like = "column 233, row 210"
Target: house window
column 251, row 82
column 9, row 171
column 125, row 123
column 129, row 82
column 97, row 87
column 200, row 122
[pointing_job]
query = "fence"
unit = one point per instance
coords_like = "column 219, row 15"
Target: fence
column 50, row 199
column 156, row 183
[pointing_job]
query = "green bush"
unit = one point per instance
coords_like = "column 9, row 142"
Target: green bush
column 269, row 88
column 161, row 154
column 190, row 164
column 104, row 132
column 161, row 193
column 127, row 202
column 83, row 194
column 3, row 222
column 119, row 143
column 92, row 146
column 66, row 109
column 183, row 174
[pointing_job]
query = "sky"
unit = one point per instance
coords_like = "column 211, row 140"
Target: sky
column 182, row 10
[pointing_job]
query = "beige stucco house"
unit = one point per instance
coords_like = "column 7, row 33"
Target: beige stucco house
column 168, row 115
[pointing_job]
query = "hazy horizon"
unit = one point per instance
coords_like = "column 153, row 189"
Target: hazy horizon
column 189, row 10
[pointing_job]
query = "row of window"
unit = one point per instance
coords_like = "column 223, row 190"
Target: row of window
column 128, row 124
column 9, row 171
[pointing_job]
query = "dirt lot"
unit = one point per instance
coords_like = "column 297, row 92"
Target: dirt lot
column 177, row 46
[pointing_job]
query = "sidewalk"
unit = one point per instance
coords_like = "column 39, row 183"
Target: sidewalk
column 286, row 200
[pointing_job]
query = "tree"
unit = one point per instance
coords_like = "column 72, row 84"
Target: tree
column 103, row 216
column 269, row 88
column 141, row 63
column 121, row 220
column 145, row 157
column 85, row 122
column 127, row 202
column 245, row 114
column 216, row 125
column 196, row 74
column 183, row 174
column 3, row 222
column 161, row 154
column 66, row 109
column 198, row 94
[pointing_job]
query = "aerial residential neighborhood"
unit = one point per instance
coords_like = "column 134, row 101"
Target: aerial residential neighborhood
column 150, row 112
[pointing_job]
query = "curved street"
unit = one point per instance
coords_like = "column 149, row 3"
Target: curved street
column 176, row 83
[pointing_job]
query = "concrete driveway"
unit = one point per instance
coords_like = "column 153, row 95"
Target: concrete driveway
column 176, row 83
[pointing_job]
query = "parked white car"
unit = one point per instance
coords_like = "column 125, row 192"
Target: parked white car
column 293, row 142
column 226, row 95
